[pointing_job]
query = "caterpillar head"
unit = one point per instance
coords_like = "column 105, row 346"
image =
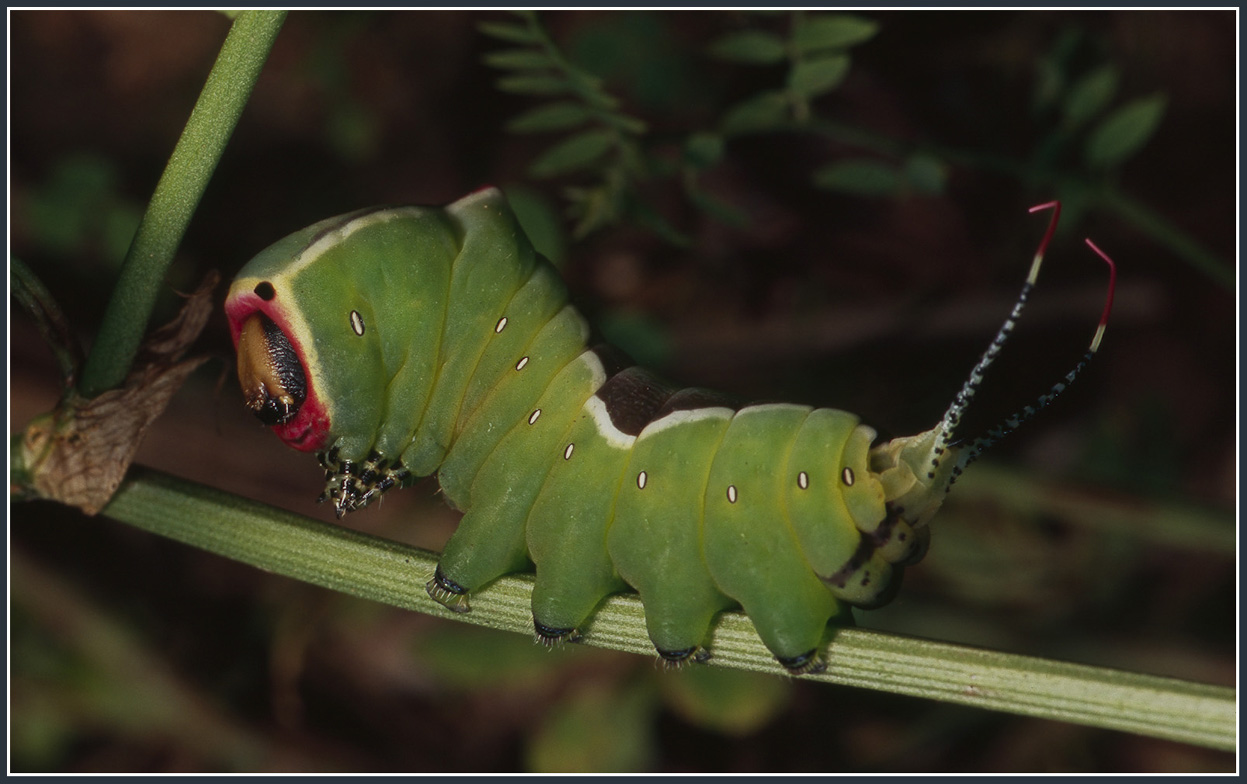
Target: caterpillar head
column 276, row 344
column 322, row 319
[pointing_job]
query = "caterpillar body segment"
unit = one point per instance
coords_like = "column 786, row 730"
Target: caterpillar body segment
column 512, row 399
column 399, row 342
column 750, row 547
column 655, row 539
column 491, row 538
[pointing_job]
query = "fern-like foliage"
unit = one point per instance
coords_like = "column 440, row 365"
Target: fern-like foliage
column 599, row 138
column 612, row 161
column 816, row 54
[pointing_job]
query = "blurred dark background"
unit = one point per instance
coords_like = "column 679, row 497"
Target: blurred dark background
column 1104, row 533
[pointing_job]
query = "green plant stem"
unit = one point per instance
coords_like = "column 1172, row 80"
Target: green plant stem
column 384, row 571
column 1175, row 527
column 177, row 194
column 40, row 305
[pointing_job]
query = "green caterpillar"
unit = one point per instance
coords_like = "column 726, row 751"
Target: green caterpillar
column 399, row 342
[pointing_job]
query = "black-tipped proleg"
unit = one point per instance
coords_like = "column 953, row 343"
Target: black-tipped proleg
column 550, row 635
column 447, row 592
column 807, row 663
column 678, row 658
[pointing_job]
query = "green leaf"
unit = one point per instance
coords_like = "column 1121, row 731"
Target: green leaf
column 592, row 208
column 534, row 85
column 519, row 59
column 466, row 658
column 515, row 33
column 549, row 117
column 749, row 46
column 595, row 730
column 625, row 123
column 352, row 129
column 734, row 703
column 576, row 152
column 719, row 210
column 64, row 211
column 860, row 176
column 1090, row 95
column 646, row 216
column 761, row 113
column 833, row 31
column 592, row 94
column 1124, row 132
column 925, row 173
column 815, row 77
column 703, row 150
column 540, row 221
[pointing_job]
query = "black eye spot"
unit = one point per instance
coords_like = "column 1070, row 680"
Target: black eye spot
column 265, row 291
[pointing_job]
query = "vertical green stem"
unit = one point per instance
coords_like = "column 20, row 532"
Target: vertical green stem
column 177, row 195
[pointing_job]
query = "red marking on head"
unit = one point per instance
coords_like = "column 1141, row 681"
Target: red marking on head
column 309, row 430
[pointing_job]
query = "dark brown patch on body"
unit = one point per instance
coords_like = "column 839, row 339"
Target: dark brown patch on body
column 693, row 398
column 632, row 398
column 613, row 360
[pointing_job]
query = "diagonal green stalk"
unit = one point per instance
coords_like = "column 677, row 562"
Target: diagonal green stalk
column 177, row 194
column 384, row 571
column 39, row 304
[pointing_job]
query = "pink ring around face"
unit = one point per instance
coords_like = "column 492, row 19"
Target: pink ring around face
column 309, row 430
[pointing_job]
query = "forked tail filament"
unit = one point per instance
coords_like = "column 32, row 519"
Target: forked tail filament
column 952, row 417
